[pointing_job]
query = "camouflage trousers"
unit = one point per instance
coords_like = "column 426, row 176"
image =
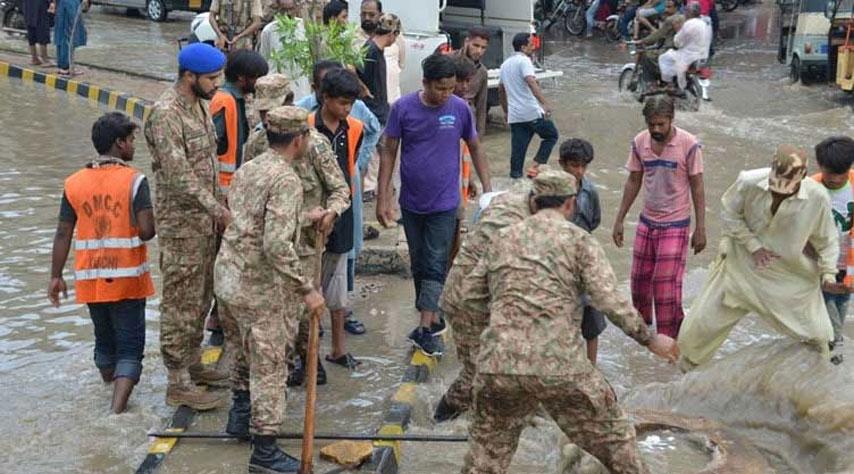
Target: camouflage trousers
column 584, row 407
column 466, row 329
column 260, row 364
column 309, row 267
column 186, row 267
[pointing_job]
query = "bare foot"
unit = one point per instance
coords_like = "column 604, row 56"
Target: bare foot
column 36, row 61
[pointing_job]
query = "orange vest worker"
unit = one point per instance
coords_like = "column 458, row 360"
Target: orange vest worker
column 110, row 260
column 223, row 101
column 354, row 131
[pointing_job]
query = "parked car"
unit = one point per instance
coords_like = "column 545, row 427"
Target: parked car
column 158, row 10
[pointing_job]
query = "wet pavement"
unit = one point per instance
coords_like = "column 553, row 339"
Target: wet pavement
column 55, row 413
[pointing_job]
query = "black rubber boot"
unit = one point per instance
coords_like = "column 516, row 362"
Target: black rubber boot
column 268, row 458
column 297, row 375
column 321, row 373
column 445, row 411
column 239, row 415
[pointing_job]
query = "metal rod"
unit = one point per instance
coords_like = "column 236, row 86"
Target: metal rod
column 324, row 436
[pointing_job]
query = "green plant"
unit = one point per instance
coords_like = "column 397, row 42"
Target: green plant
column 301, row 48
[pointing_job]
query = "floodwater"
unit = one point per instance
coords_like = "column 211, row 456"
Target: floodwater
column 55, row 416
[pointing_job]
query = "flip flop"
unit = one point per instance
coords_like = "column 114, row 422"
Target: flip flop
column 354, row 326
column 347, row 361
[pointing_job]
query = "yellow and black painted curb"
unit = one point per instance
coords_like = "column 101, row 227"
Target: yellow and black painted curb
column 386, row 456
column 133, row 106
column 181, row 420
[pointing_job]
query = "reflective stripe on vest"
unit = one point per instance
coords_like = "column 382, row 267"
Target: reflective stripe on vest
column 849, row 261
column 97, row 273
column 110, row 260
column 96, row 244
column 465, row 173
column 223, row 101
column 354, row 132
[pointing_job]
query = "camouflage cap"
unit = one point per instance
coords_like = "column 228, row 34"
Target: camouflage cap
column 554, row 182
column 388, row 22
column 788, row 169
column 271, row 91
column 287, row 119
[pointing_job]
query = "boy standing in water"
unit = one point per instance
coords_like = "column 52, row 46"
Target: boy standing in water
column 109, row 204
column 835, row 156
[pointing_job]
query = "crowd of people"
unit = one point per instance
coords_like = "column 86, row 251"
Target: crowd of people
column 259, row 216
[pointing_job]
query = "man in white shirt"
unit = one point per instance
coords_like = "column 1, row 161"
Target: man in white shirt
column 692, row 41
column 269, row 41
column 524, row 106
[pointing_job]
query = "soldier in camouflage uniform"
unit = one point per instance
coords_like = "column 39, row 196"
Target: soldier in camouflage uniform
column 469, row 317
column 182, row 142
column 532, row 352
column 271, row 91
column 261, row 283
column 235, row 22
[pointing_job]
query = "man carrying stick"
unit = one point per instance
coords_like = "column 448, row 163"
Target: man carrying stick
column 258, row 277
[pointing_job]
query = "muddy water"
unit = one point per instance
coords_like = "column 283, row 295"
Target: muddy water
column 55, row 412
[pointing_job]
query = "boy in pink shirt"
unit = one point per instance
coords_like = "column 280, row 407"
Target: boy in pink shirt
column 668, row 163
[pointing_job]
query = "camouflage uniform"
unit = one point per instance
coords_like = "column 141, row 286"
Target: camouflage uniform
column 532, row 352
column 271, row 91
column 240, row 16
column 182, row 143
column 469, row 317
column 258, row 274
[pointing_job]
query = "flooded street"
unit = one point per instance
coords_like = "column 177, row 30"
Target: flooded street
column 55, row 417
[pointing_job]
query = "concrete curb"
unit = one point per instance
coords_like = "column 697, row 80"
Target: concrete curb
column 134, row 106
column 387, row 454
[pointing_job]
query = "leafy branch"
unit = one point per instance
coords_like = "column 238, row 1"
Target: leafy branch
column 302, row 47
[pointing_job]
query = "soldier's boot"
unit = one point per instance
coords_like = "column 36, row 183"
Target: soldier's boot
column 445, row 411
column 267, row 457
column 297, row 375
column 209, row 375
column 182, row 391
column 239, row 415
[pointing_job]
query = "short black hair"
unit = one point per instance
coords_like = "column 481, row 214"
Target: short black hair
column 332, row 10
column 576, row 149
column 520, row 40
column 549, row 202
column 340, row 83
column 281, row 139
column 479, row 33
column 245, row 63
column 322, row 66
column 465, row 68
column 659, row 105
column 378, row 2
column 835, row 154
column 437, row 67
column 109, row 128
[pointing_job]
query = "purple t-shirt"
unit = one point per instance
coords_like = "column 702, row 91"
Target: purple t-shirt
column 430, row 151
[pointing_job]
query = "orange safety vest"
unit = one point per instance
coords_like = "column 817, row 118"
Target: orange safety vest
column 110, row 260
column 465, row 173
column 354, row 131
column 227, row 161
column 849, row 274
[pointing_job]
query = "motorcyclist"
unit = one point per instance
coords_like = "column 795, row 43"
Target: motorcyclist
column 662, row 38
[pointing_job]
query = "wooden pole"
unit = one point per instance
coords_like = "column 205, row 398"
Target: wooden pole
column 311, row 364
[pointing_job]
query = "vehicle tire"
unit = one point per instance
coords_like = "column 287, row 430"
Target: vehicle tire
column 575, row 21
column 795, row 70
column 694, row 94
column 729, row 5
column 156, row 10
column 612, row 31
column 624, row 81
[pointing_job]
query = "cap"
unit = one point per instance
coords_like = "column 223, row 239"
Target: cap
column 271, row 91
column 287, row 119
column 388, row 22
column 788, row 169
column 201, row 58
column 553, row 182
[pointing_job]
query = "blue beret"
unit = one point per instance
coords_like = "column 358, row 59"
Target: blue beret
column 201, row 58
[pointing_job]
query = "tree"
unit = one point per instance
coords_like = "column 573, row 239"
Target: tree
column 302, row 47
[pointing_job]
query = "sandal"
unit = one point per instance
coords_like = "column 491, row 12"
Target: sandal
column 347, row 361
column 354, row 326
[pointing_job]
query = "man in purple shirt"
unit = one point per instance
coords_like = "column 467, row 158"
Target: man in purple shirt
column 428, row 126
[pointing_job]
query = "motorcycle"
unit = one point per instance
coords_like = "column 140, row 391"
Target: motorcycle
column 13, row 16
column 633, row 81
column 574, row 17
